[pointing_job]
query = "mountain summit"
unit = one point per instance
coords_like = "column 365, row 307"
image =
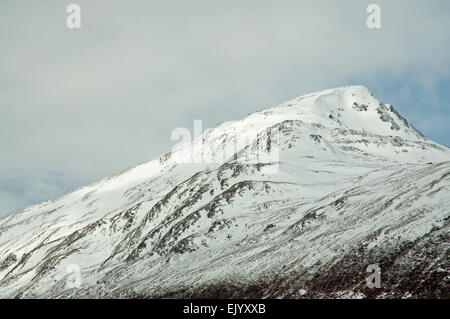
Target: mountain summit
column 294, row 201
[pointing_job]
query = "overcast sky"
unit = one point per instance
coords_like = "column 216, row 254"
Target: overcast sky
column 78, row 105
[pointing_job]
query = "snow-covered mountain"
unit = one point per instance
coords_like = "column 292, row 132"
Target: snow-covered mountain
column 292, row 201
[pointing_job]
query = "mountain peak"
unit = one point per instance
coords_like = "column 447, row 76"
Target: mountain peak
column 354, row 183
column 351, row 107
column 344, row 123
column 348, row 108
column 356, row 89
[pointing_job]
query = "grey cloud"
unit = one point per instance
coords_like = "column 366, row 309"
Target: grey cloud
column 96, row 100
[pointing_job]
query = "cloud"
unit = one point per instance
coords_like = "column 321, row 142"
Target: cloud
column 32, row 187
column 96, row 100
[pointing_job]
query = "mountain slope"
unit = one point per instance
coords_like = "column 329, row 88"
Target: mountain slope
column 291, row 201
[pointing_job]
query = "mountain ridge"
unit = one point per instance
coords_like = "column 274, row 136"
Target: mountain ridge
column 289, row 102
column 324, row 172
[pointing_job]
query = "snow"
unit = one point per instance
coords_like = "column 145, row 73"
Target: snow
column 328, row 184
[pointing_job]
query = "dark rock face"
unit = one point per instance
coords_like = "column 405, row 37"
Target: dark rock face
column 8, row 261
column 359, row 107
